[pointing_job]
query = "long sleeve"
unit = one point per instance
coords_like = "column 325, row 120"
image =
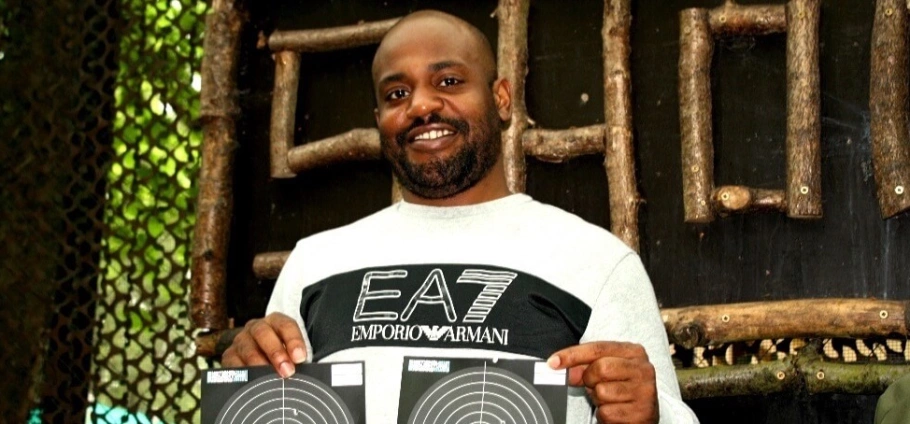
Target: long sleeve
column 626, row 310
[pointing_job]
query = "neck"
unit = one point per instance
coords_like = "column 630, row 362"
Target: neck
column 491, row 187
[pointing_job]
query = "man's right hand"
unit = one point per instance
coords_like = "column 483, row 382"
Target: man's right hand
column 275, row 339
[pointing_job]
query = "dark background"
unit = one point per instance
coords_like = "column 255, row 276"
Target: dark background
column 850, row 252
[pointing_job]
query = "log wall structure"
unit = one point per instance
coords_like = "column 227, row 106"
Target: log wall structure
column 698, row 28
column 703, row 200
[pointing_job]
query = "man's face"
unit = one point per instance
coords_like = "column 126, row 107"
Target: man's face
column 437, row 116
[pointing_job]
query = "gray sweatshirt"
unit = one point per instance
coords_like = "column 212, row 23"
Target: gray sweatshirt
column 511, row 278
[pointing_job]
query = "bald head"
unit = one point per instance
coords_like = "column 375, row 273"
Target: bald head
column 419, row 27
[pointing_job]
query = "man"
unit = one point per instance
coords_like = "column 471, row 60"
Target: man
column 461, row 267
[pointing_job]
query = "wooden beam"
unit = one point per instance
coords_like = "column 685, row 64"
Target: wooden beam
column 826, row 318
column 619, row 151
column 215, row 202
column 328, row 39
column 512, row 64
column 888, row 94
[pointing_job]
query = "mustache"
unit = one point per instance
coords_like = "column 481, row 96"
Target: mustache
column 460, row 125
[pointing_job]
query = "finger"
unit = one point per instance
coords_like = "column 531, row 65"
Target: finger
column 245, row 352
column 617, row 369
column 589, row 352
column 614, row 392
column 289, row 332
column 266, row 338
column 230, row 359
column 616, row 413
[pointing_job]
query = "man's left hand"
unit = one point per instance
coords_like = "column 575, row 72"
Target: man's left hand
column 618, row 377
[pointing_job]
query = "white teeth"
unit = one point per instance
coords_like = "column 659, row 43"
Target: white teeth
column 432, row 135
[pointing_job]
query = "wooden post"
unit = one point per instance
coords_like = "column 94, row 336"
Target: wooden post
column 215, row 198
column 888, row 94
column 696, row 47
column 284, row 109
column 620, row 148
column 512, row 64
column 804, row 190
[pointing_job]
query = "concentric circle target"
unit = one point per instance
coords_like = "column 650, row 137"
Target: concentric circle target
column 299, row 399
column 481, row 395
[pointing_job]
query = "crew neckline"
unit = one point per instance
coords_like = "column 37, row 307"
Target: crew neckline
column 450, row 212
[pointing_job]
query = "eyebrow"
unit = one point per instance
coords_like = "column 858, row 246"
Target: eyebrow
column 435, row 67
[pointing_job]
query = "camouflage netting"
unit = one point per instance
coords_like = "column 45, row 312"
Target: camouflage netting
column 99, row 103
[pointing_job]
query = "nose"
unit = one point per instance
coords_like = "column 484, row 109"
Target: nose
column 423, row 104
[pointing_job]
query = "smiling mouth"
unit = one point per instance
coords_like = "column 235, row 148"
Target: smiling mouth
column 433, row 135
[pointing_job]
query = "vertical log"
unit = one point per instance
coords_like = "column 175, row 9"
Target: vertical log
column 804, row 198
column 513, row 66
column 284, row 110
column 696, row 49
column 888, row 94
column 619, row 150
column 215, row 200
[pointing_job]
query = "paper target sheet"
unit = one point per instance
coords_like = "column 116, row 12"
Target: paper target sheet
column 315, row 394
column 461, row 390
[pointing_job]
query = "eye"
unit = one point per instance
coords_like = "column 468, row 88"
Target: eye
column 449, row 81
column 396, row 94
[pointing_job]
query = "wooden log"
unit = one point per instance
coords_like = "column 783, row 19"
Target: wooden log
column 356, row 144
column 828, row 318
column 213, row 345
column 888, row 94
column 738, row 380
column 732, row 19
column 284, row 109
column 619, row 152
column 512, row 64
column 208, row 307
column 328, row 39
column 562, row 145
column 804, row 197
column 267, row 266
column 696, row 49
column 728, row 199
column 858, row 379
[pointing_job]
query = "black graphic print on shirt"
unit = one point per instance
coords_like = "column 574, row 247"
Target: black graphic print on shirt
column 444, row 305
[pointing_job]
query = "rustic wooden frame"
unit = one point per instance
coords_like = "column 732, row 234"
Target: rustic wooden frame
column 888, row 94
column 693, row 326
column 698, row 27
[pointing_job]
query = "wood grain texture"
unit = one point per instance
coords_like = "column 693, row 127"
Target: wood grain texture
column 619, row 152
column 738, row 199
column 284, row 110
column 512, row 64
column 888, row 94
column 356, row 144
column 211, row 235
column 696, row 49
column 804, row 196
column 328, row 39
column 732, row 19
column 848, row 318
column 561, row 145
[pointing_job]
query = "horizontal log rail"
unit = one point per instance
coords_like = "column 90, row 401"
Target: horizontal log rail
column 825, row 318
column 805, row 369
column 328, row 39
column 363, row 144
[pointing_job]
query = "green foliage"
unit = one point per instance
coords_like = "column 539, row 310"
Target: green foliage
column 144, row 341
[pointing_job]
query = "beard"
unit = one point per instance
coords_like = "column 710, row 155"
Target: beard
column 441, row 178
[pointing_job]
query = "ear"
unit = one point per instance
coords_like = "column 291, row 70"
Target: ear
column 376, row 115
column 502, row 96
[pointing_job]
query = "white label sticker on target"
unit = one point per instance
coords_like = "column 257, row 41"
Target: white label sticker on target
column 347, row 375
column 546, row 376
